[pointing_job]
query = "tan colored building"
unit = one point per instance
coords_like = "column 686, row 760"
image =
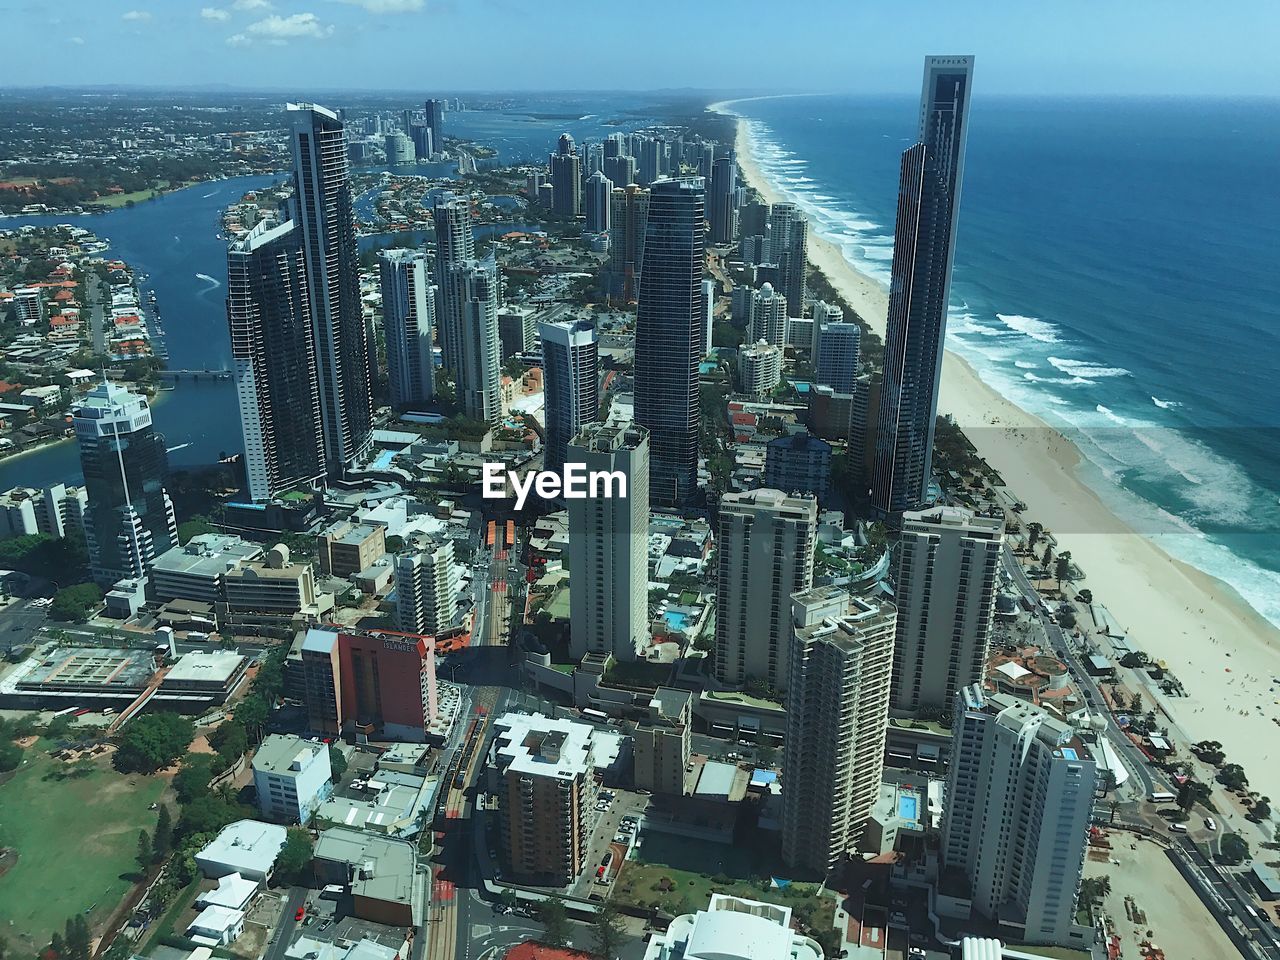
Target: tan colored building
column 541, row 769
column 662, row 742
column 347, row 548
column 273, row 585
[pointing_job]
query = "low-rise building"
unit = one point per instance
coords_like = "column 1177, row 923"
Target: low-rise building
column 292, row 777
column 246, row 847
column 379, row 872
column 197, row 569
column 732, row 928
column 347, row 548
column 662, row 742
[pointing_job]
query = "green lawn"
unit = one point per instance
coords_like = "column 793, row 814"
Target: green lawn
column 75, row 838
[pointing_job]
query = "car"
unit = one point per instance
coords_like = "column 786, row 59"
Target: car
column 606, row 859
column 599, row 872
column 302, row 912
column 1210, row 824
column 621, row 838
column 1178, row 827
column 915, row 952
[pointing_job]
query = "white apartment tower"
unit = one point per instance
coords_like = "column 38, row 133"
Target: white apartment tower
column 946, row 590
column 1019, row 799
column 837, row 718
column 408, row 317
column 769, row 316
column 426, row 587
column 765, row 553
column 571, row 384
column 473, row 292
column 608, row 546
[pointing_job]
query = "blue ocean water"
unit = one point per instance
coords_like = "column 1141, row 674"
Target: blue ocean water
column 1116, row 273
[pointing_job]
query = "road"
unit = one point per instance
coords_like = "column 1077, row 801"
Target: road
column 283, row 935
column 19, row 623
column 97, row 328
column 1229, row 897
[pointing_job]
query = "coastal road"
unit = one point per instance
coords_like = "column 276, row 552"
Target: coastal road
column 1228, row 896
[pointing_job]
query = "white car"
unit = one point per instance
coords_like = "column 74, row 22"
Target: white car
column 1209, row 822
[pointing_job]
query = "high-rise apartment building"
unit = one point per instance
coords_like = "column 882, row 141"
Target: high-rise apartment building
column 662, row 742
column 765, row 551
column 408, row 317
column 628, row 219
column 722, row 201
column 839, row 348
column 608, row 546
column 455, row 244
column 598, row 202
column 1020, row 790
column 542, row 769
column 472, row 290
column 948, row 570
column 326, row 217
column 129, row 520
column 799, row 463
column 669, row 337
column 399, row 148
column 923, row 251
column 837, row 719
column 566, row 179
column 789, row 249
column 434, row 114
column 621, row 171
column 759, row 368
column 55, row 511
column 570, row 384
column 426, row 586
column 769, row 316
column 274, row 359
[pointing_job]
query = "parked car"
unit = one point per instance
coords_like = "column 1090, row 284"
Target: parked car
column 302, row 912
column 1210, row 823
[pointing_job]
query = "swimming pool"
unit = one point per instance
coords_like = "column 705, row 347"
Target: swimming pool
column 383, row 460
column 908, row 807
column 1070, row 753
column 676, row 619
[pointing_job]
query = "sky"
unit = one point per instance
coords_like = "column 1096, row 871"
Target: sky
column 1071, row 47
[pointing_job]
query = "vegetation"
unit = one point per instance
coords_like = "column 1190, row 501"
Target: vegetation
column 555, row 922
column 337, row 763
column 1234, row 849
column 75, row 603
column 607, row 931
column 65, row 560
column 153, row 741
column 294, row 863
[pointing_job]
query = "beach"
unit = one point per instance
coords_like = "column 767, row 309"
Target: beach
column 1223, row 651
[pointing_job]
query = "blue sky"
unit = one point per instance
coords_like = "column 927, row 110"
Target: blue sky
column 453, row 46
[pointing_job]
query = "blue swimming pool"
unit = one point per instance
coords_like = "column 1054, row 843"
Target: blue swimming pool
column 908, row 807
column 383, row 460
column 676, row 619
column 1070, row 753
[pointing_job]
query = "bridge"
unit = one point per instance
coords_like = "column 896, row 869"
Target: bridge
column 195, row 374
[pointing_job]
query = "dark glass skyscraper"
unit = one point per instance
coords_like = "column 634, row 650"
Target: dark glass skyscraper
column 322, row 189
column 923, row 248
column 434, row 113
column 669, row 325
column 722, row 203
column 274, row 357
column 129, row 521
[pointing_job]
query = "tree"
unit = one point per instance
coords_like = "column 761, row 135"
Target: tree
column 10, row 756
column 75, row 603
column 1262, row 808
column 210, row 813
column 508, row 899
column 143, row 855
column 294, row 863
column 162, row 839
column 608, row 934
column 78, row 939
column 230, row 740
column 1033, row 534
column 1135, row 703
column 1232, row 777
column 251, row 713
column 1062, row 568
column 1234, row 849
column 193, row 777
column 337, row 762
column 1085, row 596
column 152, row 741
column 555, row 922
column 1192, row 792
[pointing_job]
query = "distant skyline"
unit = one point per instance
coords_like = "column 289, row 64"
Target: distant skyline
column 1086, row 48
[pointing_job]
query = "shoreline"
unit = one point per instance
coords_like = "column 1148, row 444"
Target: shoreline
column 1171, row 610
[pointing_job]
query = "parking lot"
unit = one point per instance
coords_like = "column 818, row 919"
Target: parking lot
column 609, row 838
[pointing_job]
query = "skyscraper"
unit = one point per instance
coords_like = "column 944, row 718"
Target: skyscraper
column 434, row 113
column 837, row 719
column 596, row 206
column 566, row 180
column 426, row 587
column 1019, row 795
column 923, row 249
column 473, row 290
column 322, row 194
column 839, row 345
column 769, row 316
column 650, row 159
column 129, row 521
column 620, row 170
column 628, row 217
column 722, row 201
column 408, row 316
column 571, row 384
column 669, row 337
column 789, row 248
column 455, row 244
column 949, row 563
column 274, row 359
column 765, row 554
column 608, row 547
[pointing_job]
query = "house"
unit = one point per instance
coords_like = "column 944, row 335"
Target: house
column 216, row 926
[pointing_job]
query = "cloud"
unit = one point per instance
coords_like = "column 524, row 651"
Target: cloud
column 213, row 13
column 387, row 6
column 78, row 41
column 278, row 30
column 136, row 15
column 252, row 4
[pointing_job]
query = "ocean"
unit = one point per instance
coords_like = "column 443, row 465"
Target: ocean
column 1116, row 274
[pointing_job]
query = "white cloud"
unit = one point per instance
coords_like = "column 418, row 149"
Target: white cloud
column 252, row 4
column 213, row 13
column 137, row 15
column 238, row 40
column 78, row 41
column 387, row 6
column 278, row 30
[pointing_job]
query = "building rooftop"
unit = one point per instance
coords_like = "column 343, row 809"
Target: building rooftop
column 207, row 555
column 281, row 753
column 320, row 641
column 250, row 845
column 214, row 666
column 543, row 746
column 385, row 865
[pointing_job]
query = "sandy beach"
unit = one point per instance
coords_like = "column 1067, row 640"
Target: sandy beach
column 1223, row 651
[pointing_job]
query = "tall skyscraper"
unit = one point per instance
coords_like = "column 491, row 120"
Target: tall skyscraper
column 923, row 249
column 628, row 218
column 608, row 547
column 620, row 170
column 722, row 201
column 434, row 113
column 129, row 521
column 949, row 565
column 426, row 587
column 566, row 181
column 274, row 359
column 769, row 316
column 322, row 194
column 408, row 316
column 837, row 719
column 598, row 194
column 1019, row 795
column 650, row 161
column 708, row 315
column 823, row 312
column 571, row 384
column 789, row 249
column 473, row 290
column 765, row 554
column 455, row 244
column 839, row 346
column 669, row 337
